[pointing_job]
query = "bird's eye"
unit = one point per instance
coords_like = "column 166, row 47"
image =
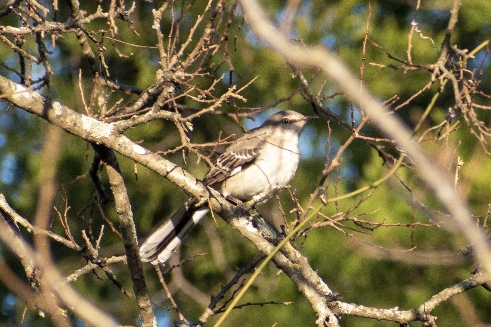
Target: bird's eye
column 285, row 121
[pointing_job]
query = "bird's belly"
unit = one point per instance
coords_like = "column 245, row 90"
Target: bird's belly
column 262, row 175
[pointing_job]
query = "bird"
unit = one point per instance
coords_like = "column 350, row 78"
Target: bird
column 262, row 159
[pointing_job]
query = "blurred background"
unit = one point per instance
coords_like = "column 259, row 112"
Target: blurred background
column 388, row 247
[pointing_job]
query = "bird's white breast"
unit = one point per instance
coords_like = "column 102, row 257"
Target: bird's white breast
column 275, row 166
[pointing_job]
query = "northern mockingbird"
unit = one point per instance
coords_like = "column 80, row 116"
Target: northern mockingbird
column 262, row 159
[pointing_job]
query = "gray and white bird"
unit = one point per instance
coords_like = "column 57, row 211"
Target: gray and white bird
column 264, row 158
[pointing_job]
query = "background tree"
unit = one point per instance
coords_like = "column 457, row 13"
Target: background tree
column 150, row 93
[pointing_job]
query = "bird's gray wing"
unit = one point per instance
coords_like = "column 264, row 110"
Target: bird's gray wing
column 238, row 156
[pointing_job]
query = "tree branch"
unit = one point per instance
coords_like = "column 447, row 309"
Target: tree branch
column 128, row 230
column 95, row 131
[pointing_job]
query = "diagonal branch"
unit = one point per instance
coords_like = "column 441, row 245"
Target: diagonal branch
column 97, row 132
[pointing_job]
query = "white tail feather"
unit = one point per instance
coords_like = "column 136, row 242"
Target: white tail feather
column 160, row 245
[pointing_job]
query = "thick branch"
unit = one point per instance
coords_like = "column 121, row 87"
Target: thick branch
column 289, row 260
column 95, row 131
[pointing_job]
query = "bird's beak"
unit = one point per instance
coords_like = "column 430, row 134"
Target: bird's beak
column 307, row 118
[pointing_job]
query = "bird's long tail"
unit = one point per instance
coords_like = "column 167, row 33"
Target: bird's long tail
column 160, row 245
